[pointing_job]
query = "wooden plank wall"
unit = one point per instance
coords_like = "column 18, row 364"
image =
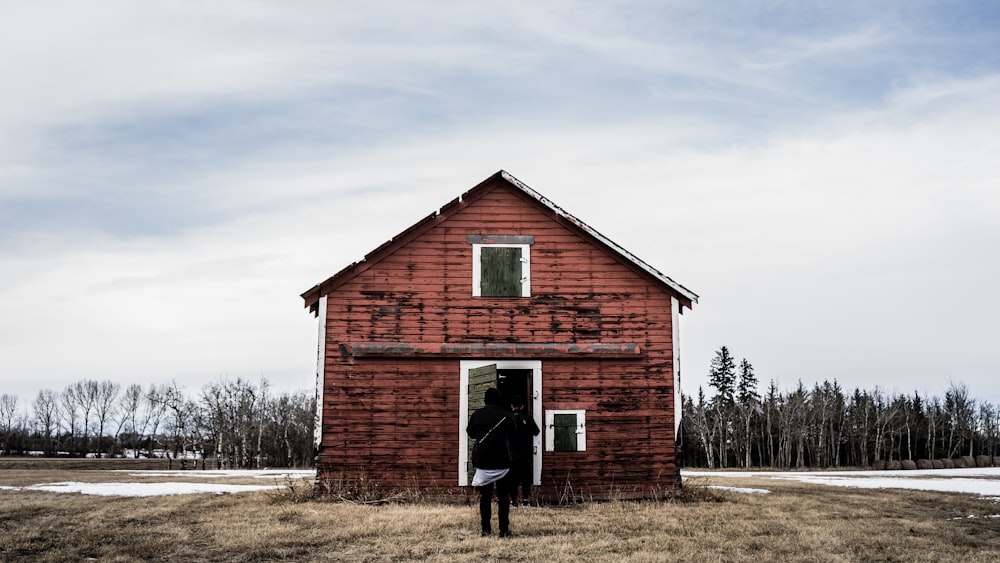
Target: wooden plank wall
column 396, row 419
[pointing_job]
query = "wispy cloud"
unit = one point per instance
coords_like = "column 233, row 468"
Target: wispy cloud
column 173, row 175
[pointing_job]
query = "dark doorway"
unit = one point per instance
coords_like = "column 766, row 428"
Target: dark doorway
column 512, row 382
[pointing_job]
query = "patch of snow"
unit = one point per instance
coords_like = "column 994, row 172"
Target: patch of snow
column 974, row 517
column 740, row 489
column 172, row 488
column 142, row 489
column 954, row 485
column 219, row 473
column 956, row 472
column 983, row 481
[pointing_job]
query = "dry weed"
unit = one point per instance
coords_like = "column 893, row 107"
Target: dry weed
column 292, row 489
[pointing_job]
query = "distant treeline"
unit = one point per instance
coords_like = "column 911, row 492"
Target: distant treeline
column 240, row 424
column 826, row 426
column 230, row 423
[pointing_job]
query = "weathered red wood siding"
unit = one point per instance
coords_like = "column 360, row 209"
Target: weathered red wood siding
column 395, row 420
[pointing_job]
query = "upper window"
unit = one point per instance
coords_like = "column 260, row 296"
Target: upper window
column 501, row 266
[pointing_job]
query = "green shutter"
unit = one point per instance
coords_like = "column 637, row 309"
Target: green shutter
column 564, row 432
column 500, row 273
column 480, row 379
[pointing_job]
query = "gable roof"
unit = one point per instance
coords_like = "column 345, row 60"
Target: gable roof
column 686, row 297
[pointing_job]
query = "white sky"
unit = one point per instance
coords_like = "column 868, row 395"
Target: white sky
column 824, row 175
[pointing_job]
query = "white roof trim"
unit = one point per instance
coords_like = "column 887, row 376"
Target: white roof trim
column 608, row 242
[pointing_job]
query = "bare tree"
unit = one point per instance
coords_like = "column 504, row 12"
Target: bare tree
column 234, row 413
column 795, row 422
column 988, row 427
column 262, row 418
column 244, row 422
column 70, row 416
column 80, row 399
column 862, row 414
column 179, row 419
column 105, row 394
column 129, row 404
column 933, row 415
column 288, row 437
column 46, row 414
column 885, row 412
column 826, row 406
column 154, row 410
column 705, row 428
column 959, row 409
column 8, row 413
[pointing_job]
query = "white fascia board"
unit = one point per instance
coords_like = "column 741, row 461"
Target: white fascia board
column 675, row 338
column 605, row 240
column 320, row 373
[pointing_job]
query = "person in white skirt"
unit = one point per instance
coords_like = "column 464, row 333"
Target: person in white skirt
column 492, row 427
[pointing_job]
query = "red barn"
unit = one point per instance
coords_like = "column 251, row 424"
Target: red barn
column 503, row 288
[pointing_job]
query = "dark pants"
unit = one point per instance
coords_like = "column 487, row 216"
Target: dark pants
column 521, row 477
column 503, row 504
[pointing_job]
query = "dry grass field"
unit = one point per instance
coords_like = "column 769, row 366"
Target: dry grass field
column 795, row 522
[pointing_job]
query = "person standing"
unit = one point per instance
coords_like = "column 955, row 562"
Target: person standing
column 522, row 450
column 492, row 426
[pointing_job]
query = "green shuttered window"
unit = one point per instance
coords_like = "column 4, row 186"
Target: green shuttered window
column 501, row 270
column 566, row 431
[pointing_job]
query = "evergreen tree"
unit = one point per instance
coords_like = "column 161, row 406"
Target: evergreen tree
column 748, row 401
column 746, row 389
column 722, row 376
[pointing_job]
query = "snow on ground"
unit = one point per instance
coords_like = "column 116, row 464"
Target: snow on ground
column 220, row 473
column 141, row 489
column 740, row 490
column 983, row 481
column 169, row 488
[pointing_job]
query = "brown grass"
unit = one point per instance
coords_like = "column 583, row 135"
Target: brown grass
column 796, row 522
column 67, row 463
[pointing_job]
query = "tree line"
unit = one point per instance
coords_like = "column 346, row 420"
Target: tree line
column 241, row 424
column 826, row 425
column 228, row 423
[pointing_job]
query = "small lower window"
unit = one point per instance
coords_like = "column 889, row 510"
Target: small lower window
column 566, row 431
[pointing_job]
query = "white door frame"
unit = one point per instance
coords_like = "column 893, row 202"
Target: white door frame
column 463, row 411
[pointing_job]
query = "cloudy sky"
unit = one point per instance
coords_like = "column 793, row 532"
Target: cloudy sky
column 825, row 175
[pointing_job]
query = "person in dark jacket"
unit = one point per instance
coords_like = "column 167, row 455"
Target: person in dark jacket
column 492, row 427
column 522, row 450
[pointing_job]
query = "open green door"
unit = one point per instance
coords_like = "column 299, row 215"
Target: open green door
column 480, row 379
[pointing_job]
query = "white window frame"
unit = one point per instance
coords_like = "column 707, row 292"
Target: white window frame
column 581, row 429
column 477, row 273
